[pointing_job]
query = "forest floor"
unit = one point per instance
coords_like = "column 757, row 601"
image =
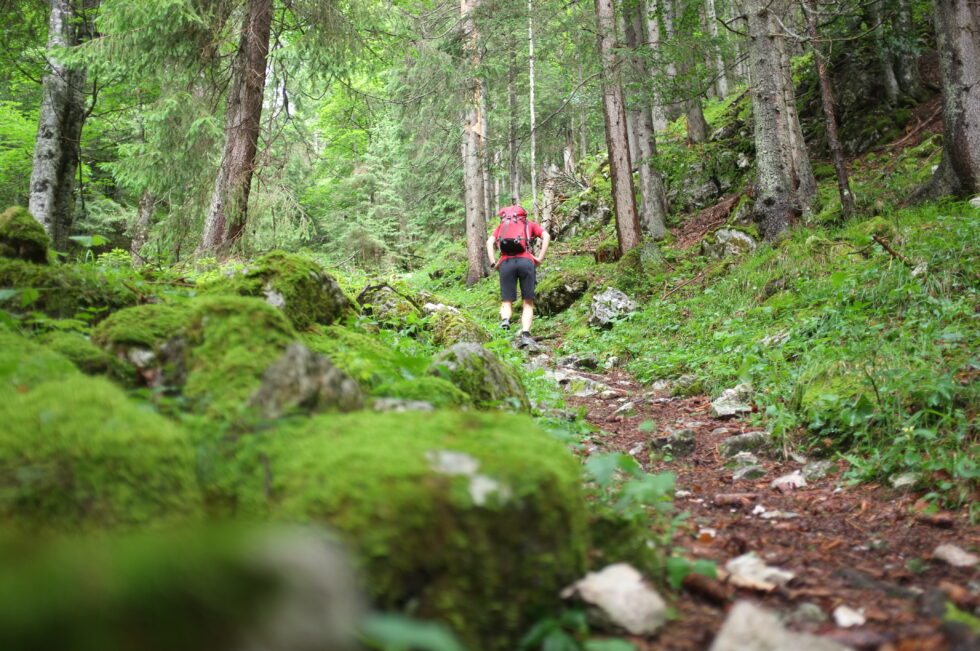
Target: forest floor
column 867, row 547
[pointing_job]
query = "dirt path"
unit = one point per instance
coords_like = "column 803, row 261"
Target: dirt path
column 865, row 547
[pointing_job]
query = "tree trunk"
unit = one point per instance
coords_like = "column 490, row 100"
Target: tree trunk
column 658, row 111
column 958, row 38
column 721, row 73
column 906, row 62
column 141, row 229
column 228, row 212
column 512, row 146
column 801, row 172
column 827, row 97
column 59, row 131
column 534, row 135
column 653, row 199
column 617, row 140
column 484, row 150
column 476, row 220
column 697, row 126
column 777, row 172
column 888, row 77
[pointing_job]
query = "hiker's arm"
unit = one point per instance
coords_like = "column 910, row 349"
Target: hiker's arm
column 490, row 243
column 545, row 238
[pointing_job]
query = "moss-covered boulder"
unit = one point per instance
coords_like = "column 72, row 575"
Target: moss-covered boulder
column 24, row 364
column 452, row 327
column 301, row 288
column 195, row 589
column 389, row 307
column 477, row 520
column 559, row 290
column 727, row 241
column 434, row 390
column 62, row 291
column 88, row 357
column 78, row 454
column 21, row 236
column 476, row 371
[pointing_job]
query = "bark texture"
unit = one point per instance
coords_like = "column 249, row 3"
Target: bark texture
column 958, row 37
column 617, row 138
column 59, row 131
column 784, row 179
column 141, row 230
column 228, row 213
column 473, row 196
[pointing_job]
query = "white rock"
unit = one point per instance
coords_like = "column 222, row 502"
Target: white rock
column 955, row 556
column 904, row 480
column 750, row 571
column 450, row 462
column 732, row 402
column 750, row 628
column 847, row 617
column 788, row 482
column 975, row 201
column 621, row 599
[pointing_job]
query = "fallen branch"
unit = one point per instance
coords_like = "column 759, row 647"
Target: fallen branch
column 895, row 254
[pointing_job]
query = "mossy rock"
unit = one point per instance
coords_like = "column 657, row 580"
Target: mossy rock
column 301, row 288
column 24, row 364
column 434, row 390
column 559, row 291
column 88, row 357
column 22, row 237
column 450, row 328
column 365, row 358
column 476, row 520
column 388, row 306
column 228, row 343
column 63, row 291
column 78, row 455
column 146, row 326
column 476, row 371
column 195, row 589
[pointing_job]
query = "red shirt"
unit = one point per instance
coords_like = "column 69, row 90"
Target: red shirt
column 533, row 230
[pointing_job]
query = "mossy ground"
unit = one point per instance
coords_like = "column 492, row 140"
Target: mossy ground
column 25, row 364
column 77, row 454
column 21, row 236
column 434, row 390
column 487, row 566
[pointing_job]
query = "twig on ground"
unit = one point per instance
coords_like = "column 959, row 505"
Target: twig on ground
column 895, row 254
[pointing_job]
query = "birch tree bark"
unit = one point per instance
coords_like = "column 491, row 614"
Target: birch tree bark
column 781, row 183
column 228, row 213
column 59, row 130
column 473, row 196
column 658, row 111
column 141, row 229
column 512, row 145
column 617, row 139
column 721, row 72
column 958, row 38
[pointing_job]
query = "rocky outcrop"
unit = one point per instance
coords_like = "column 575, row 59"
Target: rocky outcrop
column 389, row 307
column 728, row 242
column 609, row 306
column 559, row 291
column 478, row 372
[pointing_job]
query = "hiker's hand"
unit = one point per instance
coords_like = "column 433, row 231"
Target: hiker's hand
column 536, row 259
column 494, row 265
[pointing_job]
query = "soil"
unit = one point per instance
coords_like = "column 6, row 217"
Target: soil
column 868, row 547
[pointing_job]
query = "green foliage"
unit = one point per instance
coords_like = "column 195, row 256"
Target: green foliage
column 17, row 131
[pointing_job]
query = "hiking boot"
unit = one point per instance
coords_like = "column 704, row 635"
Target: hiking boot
column 505, row 324
column 525, row 340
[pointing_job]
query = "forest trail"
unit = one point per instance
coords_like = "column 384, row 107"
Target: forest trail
column 869, row 548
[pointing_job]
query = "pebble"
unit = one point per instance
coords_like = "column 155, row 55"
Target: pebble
column 955, row 556
column 847, row 617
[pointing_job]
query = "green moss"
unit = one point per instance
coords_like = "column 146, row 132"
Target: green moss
column 84, row 354
column 434, row 390
column 63, row 291
column 24, row 364
column 475, row 370
column 450, row 328
column 77, row 454
column 364, row 358
column 306, row 293
column 230, row 342
column 486, row 563
column 141, row 325
column 21, row 236
column 191, row 590
column 862, row 232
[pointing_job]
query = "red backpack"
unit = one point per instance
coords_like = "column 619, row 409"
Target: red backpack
column 513, row 222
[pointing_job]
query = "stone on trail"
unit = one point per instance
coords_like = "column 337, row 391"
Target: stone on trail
column 304, row 379
column 680, row 443
column 619, row 600
column 789, row 482
column 752, row 471
column 687, row 385
column 610, row 305
column 751, row 628
column 847, row 617
column 732, row 402
column 727, row 242
column 904, row 480
column 750, row 571
column 580, row 361
column 477, row 372
column 818, row 470
column 955, row 556
column 748, row 442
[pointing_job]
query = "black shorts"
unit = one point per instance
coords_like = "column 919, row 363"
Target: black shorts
column 513, row 270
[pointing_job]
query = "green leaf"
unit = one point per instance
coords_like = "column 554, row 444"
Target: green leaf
column 392, row 632
column 609, row 645
column 8, row 293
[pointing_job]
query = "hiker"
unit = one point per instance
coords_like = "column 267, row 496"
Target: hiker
column 516, row 264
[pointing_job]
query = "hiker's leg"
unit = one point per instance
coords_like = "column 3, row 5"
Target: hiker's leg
column 508, row 289
column 527, row 315
column 506, row 309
